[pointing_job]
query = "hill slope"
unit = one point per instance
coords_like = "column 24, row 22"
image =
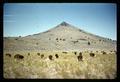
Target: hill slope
column 62, row 37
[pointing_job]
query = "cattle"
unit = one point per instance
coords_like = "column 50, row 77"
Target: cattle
column 103, row 52
column 92, row 54
column 18, row 56
column 80, row 53
column 75, row 53
column 50, row 57
column 38, row 53
column 56, row 55
column 80, row 57
column 8, row 54
column 28, row 54
column 88, row 43
column 42, row 55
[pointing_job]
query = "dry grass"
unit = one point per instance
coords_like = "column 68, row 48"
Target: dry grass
column 66, row 66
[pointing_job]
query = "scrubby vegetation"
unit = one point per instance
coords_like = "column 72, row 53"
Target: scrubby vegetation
column 68, row 65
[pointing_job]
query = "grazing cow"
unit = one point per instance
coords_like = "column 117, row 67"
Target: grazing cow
column 75, row 41
column 50, row 57
column 56, row 55
column 28, row 53
column 80, row 57
column 8, row 55
column 92, row 54
column 103, row 52
column 38, row 53
column 18, row 56
column 80, row 53
column 42, row 55
column 75, row 53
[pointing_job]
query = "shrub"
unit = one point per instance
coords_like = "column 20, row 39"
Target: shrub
column 75, row 41
column 103, row 52
column 64, row 52
column 16, row 38
column 88, row 43
column 36, row 43
column 19, row 36
column 56, row 38
column 63, row 39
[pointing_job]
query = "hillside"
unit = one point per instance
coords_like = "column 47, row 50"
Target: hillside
column 62, row 37
column 63, row 52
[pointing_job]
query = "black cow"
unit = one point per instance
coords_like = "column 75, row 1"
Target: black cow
column 8, row 55
column 75, row 53
column 103, row 52
column 80, row 57
column 50, row 57
column 56, row 55
column 28, row 54
column 38, row 53
column 42, row 55
column 92, row 54
column 18, row 56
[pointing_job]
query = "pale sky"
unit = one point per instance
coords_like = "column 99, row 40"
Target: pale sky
column 22, row 19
